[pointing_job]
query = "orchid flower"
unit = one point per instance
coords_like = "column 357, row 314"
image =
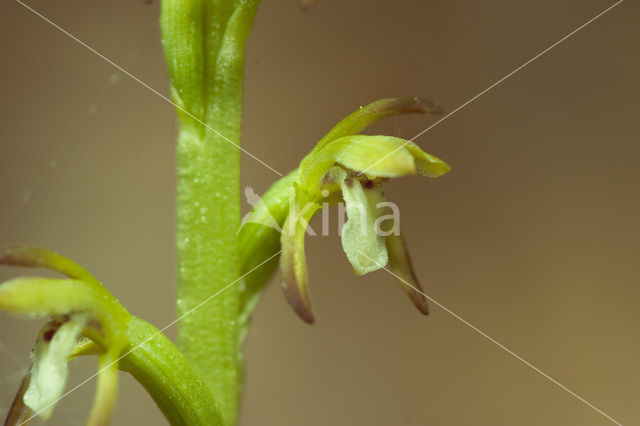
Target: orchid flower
column 348, row 167
column 84, row 318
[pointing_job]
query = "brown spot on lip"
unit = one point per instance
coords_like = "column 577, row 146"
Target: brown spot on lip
column 327, row 179
column 348, row 182
column 368, row 184
column 48, row 335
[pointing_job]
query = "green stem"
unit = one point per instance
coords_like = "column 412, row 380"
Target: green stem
column 169, row 377
column 204, row 44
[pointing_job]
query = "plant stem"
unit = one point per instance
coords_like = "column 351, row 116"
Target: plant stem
column 204, row 44
column 168, row 376
column 207, row 217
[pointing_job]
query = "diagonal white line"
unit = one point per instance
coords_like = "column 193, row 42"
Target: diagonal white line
column 148, row 87
column 500, row 345
column 496, row 83
column 154, row 335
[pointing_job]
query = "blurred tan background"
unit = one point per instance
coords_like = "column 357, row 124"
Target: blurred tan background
column 534, row 236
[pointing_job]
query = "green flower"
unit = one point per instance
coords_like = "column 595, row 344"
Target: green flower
column 343, row 167
column 84, row 318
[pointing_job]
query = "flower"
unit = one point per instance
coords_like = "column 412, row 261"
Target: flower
column 84, row 319
column 348, row 167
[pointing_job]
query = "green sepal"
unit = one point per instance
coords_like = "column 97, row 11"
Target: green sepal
column 107, row 388
column 293, row 263
column 400, row 265
column 259, row 240
column 34, row 296
column 36, row 257
column 374, row 156
column 427, row 165
column 369, row 114
column 384, row 155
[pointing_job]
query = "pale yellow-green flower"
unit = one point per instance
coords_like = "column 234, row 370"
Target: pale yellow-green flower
column 81, row 312
column 348, row 167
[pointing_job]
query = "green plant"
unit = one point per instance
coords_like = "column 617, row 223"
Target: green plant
column 222, row 266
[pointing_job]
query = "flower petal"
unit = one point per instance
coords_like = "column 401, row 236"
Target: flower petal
column 106, row 391
column 361, row 242
column 49, row 372
column 51, row 296
column 54, row 297
column 427, row 164
column 380, row 156
column 400, row 265
column 36, row 257
column 19, row 414
column 293, row 264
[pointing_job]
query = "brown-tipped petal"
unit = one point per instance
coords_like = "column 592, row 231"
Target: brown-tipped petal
column 365, row 116
column 19, row 414
column 35, row 257
column 400, row 265
column 293, row 264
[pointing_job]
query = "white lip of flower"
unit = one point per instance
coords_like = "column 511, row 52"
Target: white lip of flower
column 49, row 364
